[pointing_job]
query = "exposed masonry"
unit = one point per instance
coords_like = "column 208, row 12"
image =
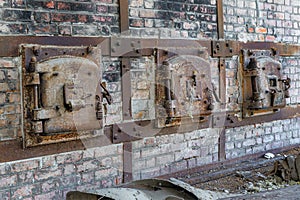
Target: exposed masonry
column 143, row 87
column 257, row 138
column 155, row 156
column 261, row 20
column 76, row 18
column 112, row 77
column 173, row 18
column 51, row 177
column 10, row 102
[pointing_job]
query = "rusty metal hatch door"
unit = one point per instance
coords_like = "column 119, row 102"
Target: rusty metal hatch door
column 263, row 85
column 61, row 93
column 183, row 90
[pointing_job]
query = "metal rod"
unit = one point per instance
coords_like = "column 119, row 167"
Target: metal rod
column 220, row 18
column 127, row 162
column 126, row 89
column 36, row 97
column 124, row 15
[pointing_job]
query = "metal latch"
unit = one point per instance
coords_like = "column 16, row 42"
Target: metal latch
column 264, row 89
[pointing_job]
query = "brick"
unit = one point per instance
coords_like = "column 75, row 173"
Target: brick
column 87, row 166
column 69, row 169
column 268, row 138
column 12, row 74
column 136, row 3
column 107, row 150
column 49, row 195
column 43, row 175
column 277, row 145
column 148, row 14
column 8, row 181
column 150, row 173
column 104, row 173
column 204, row 160
column 106, row 162
column 43, row 29
column 229, row 146
column 4, row 87
column 69, row 181
column 4, row 63
column 249, row 142
column 164, row 159
column 23, row 191
column 140, row 164
column 25, row 165
column 2, row 75
column 62, row 17
column 149, row 4
column 88, row 177
column 72, row 157
column 2, row 99
column 257, row 149
column 14, row 98
column 26, row 177
column 50, row 185
column 136, row 22
column 47, row 162
column 4, row 168
column 42, row 17
column 178, row 166
column 17, row 15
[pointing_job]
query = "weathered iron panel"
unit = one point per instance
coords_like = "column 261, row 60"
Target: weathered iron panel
column 263, row 87
column 60, row 92
column 183, row 89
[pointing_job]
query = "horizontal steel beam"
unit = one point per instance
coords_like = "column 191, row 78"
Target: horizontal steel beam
column 12, row 150
column 133, row 47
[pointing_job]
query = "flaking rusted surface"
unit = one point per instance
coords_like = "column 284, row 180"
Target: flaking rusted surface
column 62, row 96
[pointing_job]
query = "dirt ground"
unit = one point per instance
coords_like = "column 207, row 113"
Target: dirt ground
column 247, row 179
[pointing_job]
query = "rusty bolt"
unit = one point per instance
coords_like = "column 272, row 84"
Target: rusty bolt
column 39, row 139
column 89, row 49
column 36, row 50
column 115, row 136
column 32, row 64
column 274, row 51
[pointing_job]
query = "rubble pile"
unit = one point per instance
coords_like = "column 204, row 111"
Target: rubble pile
column 287, row 169
column 286, row 172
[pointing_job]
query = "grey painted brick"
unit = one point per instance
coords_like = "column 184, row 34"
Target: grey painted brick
column 276, row 145
column 238, row 144
column 295, row 141
column 204, row 160
column 150, row 173
column 229, row 146
column 178, row 166
column 257, row 149
column 249, row 142
column 164, row 159
column 25, row 165
column 268, row 138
